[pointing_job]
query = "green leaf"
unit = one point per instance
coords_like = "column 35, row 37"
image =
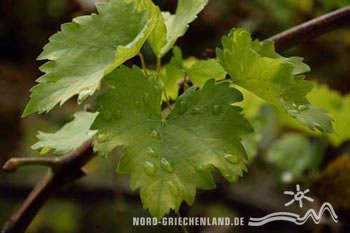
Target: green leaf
column 198, row 71
column 338, row 107
column 168, row 158
column 70, row 138
column 171, row 27
column 203, row 70
column 256, row 67
column 87, row 49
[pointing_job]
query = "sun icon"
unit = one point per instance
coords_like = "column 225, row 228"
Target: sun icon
column 298, row 196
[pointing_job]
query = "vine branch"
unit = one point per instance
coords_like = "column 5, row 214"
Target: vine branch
column 312, row 29
column 68, row 168
column 63, row 170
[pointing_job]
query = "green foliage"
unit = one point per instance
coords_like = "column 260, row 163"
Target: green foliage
column 71, row 137
column 87, row 49
column 170, row 27
column 169, row 157
column 198, row 72
column 338, row 107
column 170, row 152
column 256, row 67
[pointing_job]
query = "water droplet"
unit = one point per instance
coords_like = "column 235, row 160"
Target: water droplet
column 183, row 107
column 241, row 66
column 166, row 165
column 319, row 127
column 200, row 167
column 145, row 97
column 216, row 109
column 173, row 189
column 231, row 158
column 137, row 103
column 150, row 168
column 152, row 152
column 302, row 107
column 102, row 137
column 155, row 134
column 196, row 111
column 292, row 112
column 84, row 94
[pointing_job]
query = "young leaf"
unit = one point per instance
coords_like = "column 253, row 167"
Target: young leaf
column 71, row 137
column 256, row 67
column 87, row 49
column 198, row 71
column 168, row 158
column 170, row 27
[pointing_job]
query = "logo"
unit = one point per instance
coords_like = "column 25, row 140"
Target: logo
column 298, row 197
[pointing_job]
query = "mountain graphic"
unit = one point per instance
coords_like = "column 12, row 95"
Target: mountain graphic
column 295, row 218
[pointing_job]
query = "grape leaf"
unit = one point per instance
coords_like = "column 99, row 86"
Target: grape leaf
column 338, row 107
column 70, row 137
column 198, row 71
column 170, row 27
column 169, row 157
column 87, row 49
column 202, row 70
column 256, row 67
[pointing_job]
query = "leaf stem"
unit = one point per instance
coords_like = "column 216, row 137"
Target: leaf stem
column 143, row 64
column 167, row 100
column 159, row 66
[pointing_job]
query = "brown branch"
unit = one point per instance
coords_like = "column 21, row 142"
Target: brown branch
column 64, row 170
column 312, row 29
column 68, row 168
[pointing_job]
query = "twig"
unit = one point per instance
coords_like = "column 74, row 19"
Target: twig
column 312, row 29
column 143, row 63
column 64, row 170
column 68, row 168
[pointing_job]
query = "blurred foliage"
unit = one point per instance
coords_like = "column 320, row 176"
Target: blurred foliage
column 293, row 155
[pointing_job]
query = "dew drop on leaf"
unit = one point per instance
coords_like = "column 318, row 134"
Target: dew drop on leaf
column 231, row 158
column 102, row 137
column 183, row 107
column 145, row 97
column 319, row 127
column 196, row 111
column 155, row 134
column 166, row 165
column 150, row 168
column 152, row 152
column 216, row 109
column 302, row 107
column 292, row 112
column 173, row 189
column 199, row 168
